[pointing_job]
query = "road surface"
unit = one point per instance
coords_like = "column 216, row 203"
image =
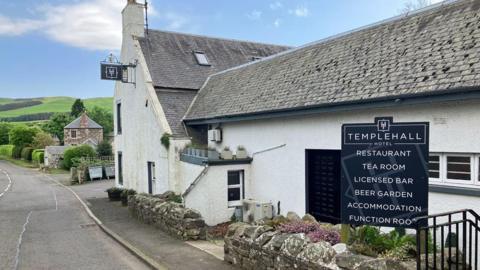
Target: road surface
column 43, row 226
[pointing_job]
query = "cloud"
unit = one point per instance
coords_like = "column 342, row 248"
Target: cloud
column 300, row 11
column 276, row 5
column 277, row 22
column 88, row 24
column 10, row 27
column 254, row 15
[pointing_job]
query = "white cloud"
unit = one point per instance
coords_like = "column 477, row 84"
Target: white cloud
column 88, row 24
column 276, row 5
column 277, row 22
column 254, row 15
column 300, row 11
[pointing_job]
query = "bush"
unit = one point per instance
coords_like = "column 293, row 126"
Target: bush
column 27, row 153
column 17, row 152
column 104, row 149
column 4, row 130
column 42, row 140
column 314, row 231
column 77, row 152
column 38, row 156
column 6, row 150
column 22, row 135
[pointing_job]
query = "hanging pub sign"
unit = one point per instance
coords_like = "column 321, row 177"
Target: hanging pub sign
column 111, row 71
column 384, row 173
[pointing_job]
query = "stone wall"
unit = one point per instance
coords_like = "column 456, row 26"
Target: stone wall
column 263, row 248
column 171, row 217
column 82, row 135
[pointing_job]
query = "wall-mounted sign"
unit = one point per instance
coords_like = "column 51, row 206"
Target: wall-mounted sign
column 111, row 71
column 384, row 173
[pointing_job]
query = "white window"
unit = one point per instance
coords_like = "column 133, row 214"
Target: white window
column 235, row 188
column 454, row 169
column 202, row 58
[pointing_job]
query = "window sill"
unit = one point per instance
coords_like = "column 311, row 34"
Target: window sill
column 466, row 191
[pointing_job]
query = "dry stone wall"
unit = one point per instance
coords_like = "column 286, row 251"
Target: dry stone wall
column 262, row 248
column 171, row 217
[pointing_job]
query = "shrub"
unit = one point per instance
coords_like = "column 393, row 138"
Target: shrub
column 22, row 135
column 27, row 153
column 42, row 140
column 313, row 230
column 165, row 140
column 4, row 130
column 6, row 150
column 77, row 152
column 17, row 152
column 38, row 156
column 104, row 149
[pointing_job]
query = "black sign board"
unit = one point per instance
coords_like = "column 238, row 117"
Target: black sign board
column 384, row 173
column 111, row 71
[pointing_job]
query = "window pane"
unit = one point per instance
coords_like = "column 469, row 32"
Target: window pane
column 434, row 166
column 233, row 178
column 233, row 194
column 458, row 168
column 201, row 58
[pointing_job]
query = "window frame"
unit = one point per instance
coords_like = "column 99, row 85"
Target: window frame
column 474, row 170
column 118, row 109
column 120, row 167
column 439, row 179
column 240, row 185
column 198, row 54
column 73, row 134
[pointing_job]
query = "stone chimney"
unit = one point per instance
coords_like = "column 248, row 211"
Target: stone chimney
column 133, row 20
column 84, row 120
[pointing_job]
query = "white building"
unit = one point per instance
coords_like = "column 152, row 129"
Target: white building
column 286, row 110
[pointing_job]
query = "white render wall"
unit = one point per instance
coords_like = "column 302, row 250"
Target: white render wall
column 279, row 175
column 209, row 196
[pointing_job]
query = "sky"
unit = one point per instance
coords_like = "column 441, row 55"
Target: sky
column 53, row 47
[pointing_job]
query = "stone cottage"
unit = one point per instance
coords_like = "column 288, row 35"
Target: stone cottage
column 83, row 130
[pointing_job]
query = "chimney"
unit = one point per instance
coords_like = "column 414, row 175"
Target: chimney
column 84, row 120
column 133, row 20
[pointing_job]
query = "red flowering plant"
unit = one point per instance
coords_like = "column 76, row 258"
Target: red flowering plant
column 314, row 231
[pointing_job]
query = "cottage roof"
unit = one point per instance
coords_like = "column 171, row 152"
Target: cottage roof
column 55, row 149
column 430, row 51
column 175, row 104
column 83, row 122
column 172, row 63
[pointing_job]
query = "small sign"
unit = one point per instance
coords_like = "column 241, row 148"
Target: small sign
column 95, row 172
column 111, row 71
column 384, row 173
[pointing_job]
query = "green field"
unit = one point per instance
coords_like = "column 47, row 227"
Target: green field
column 54, row 104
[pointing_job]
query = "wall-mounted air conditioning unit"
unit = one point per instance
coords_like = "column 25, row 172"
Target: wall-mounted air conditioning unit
column 215, row 135
column 253, row 210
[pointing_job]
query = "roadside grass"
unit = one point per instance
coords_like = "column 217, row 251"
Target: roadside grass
column 56, row 104
column 31, row 165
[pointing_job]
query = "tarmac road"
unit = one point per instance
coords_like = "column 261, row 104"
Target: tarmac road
column 43, row 226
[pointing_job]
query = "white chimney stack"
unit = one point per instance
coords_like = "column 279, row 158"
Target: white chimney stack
column 133, row 20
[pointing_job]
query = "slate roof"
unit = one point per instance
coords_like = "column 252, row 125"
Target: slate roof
column 56, row 149
column 172, row 64
column 175, row 104
column 77, row 123
column 437, row 49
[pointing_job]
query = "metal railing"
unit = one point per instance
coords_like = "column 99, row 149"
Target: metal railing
column 454, row 246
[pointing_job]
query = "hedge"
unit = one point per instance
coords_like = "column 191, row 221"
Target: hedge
column 77, row 152
column 27, row 153
column 6, row 150
column 38, row 156
column 17, row 152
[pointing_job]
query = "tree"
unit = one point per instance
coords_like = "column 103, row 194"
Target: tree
column 42, row 140
column 103, row 117
column 22, row 136
column 56, row 124
column 414, row 5
column 4, row 130
column 77, row 108
column 104, row 149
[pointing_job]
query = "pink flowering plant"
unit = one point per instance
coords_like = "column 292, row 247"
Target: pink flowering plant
column 314, row 231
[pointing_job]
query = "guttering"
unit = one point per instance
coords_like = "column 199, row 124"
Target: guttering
column 465, row 93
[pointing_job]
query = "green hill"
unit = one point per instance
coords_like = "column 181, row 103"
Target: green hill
column 39, row 108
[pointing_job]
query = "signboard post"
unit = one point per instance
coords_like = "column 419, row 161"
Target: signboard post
column 384, row 173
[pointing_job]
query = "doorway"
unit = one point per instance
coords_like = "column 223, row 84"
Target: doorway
column 151, row 177
column 323, row 184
